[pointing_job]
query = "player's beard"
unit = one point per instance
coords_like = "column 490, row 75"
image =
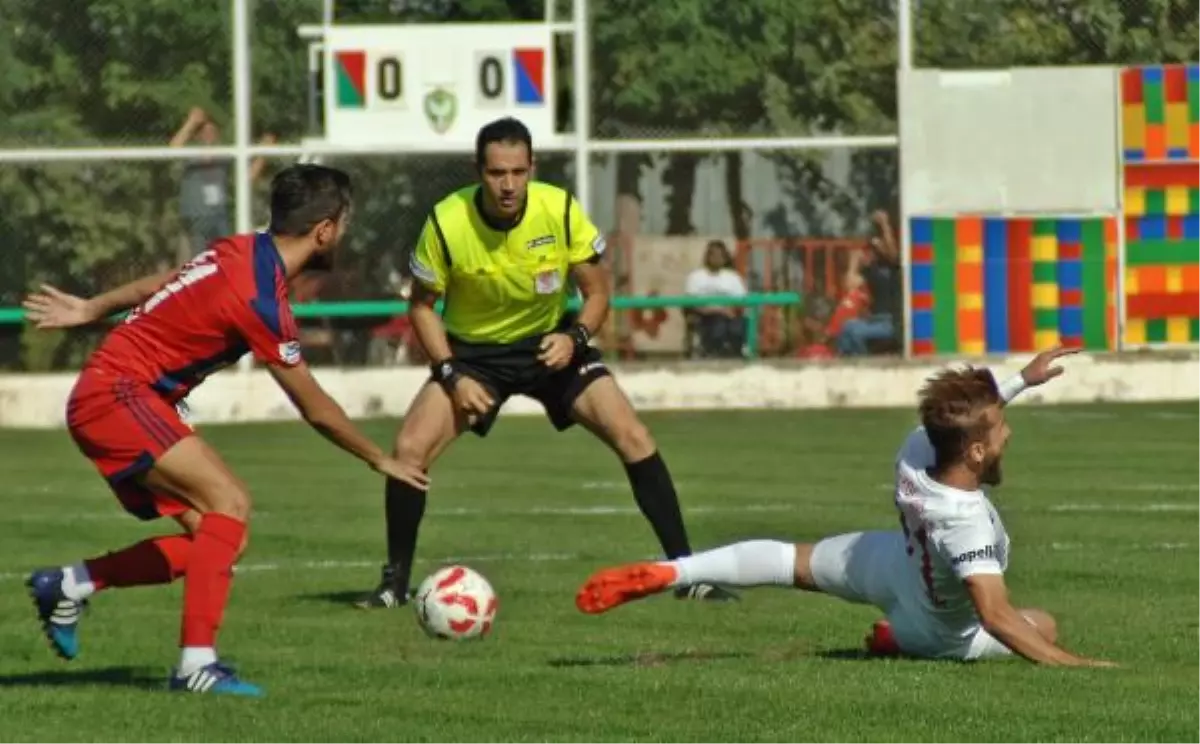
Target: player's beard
column 322, row 262
column 993, row 474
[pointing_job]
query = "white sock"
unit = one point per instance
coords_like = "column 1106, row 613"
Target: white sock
column 77, row 582
column 750, row 563
column 195, row 657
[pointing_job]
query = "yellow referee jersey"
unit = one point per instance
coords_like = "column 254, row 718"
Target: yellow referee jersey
column 502, row 286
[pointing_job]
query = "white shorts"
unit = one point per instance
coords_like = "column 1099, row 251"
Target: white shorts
column 872, row 568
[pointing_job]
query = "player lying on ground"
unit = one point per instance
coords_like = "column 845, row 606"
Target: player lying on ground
column 187, row 324
column 940, row 578
column 502, row 254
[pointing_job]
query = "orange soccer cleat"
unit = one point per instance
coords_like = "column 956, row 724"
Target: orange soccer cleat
column 611, row 587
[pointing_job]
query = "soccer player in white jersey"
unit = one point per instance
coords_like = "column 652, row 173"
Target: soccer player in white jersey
column 939, row 578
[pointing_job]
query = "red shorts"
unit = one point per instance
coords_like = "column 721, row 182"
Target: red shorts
column 123, row 427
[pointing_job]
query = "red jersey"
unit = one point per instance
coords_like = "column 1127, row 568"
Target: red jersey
column 229, row 300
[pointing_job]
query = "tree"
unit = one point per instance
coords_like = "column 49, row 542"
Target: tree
column 127, row 71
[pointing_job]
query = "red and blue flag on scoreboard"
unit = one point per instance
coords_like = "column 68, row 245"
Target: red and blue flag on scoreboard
column 530, row 67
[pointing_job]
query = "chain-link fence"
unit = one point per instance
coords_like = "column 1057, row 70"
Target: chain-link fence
column 125, row 72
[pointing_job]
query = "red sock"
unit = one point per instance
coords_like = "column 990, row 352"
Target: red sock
column 209, row 574
column 157, row 561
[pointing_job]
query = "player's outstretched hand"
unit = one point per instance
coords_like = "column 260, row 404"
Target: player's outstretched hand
column 409, row 474
column 1042, row 368
column 52, row 308
column 471, row 398
column 1099, row 664
column 556, row 350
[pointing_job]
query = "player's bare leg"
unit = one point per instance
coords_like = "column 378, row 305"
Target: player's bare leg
column 197, row 475
column 430, row 425
column 163, row 559
column 603, row 409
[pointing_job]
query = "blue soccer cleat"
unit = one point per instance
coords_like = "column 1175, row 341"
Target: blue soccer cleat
column 58, row 614
column 215, row 678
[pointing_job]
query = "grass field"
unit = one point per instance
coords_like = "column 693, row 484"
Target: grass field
column 1101, row 502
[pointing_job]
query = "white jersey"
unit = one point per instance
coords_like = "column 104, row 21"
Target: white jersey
column 950, row 534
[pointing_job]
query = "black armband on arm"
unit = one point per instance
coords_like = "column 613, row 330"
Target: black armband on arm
column 445, row 373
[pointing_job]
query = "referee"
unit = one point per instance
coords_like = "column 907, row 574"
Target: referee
column 500, row 254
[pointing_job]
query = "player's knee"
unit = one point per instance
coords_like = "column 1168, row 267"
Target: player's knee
column 232, row 500
column 239, row 505
column 412, row 448
column 803, row 574
column 633, row 440
column 1044, row 622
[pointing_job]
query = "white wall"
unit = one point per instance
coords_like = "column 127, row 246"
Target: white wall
column 38, row 401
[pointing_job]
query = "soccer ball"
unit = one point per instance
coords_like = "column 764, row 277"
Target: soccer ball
column 457, row 603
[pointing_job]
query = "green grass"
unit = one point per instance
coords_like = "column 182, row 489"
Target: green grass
column 1101, row 502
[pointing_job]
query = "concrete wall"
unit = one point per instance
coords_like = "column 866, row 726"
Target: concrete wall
column 38, row 401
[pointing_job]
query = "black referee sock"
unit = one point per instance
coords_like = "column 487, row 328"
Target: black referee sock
column 404, row 507
column 655, row 495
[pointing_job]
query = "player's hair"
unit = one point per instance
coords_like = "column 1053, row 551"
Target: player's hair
column 508, row 131
column 953, row 405
column 726, row 256
column 304, row 195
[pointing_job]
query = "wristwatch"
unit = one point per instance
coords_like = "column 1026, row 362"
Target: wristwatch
column 445, row 373
column 581, row 336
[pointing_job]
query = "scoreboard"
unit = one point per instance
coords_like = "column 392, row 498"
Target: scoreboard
column 432, row 87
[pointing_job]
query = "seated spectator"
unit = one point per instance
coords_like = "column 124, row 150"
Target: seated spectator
column 721, row 329
column 815, row 339
column 824, row 318
column 878, row 267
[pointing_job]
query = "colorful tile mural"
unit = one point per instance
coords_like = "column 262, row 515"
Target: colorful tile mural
column 997, row 284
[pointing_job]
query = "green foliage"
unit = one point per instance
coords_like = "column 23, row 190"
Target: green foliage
column 82, row 73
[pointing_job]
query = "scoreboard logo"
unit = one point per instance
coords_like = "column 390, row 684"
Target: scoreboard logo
column 440, row 108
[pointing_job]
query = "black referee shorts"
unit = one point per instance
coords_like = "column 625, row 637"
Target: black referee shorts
column 513, row 369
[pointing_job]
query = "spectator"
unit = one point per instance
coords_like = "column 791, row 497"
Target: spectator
column 721, row 329
column 204, row 188
column 815, row 339
column 878, row 267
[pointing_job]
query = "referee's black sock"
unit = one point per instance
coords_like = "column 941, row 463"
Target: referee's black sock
column 404, row 507
column 655, row 495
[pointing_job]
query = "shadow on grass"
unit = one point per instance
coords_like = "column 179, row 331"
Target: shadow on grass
column 778, row 655
column 123, row 676
column 859, row 654
column 851, row 654
column 647, row 659
column 345, row 598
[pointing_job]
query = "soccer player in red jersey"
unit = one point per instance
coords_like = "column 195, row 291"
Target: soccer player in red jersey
column 184, row 325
